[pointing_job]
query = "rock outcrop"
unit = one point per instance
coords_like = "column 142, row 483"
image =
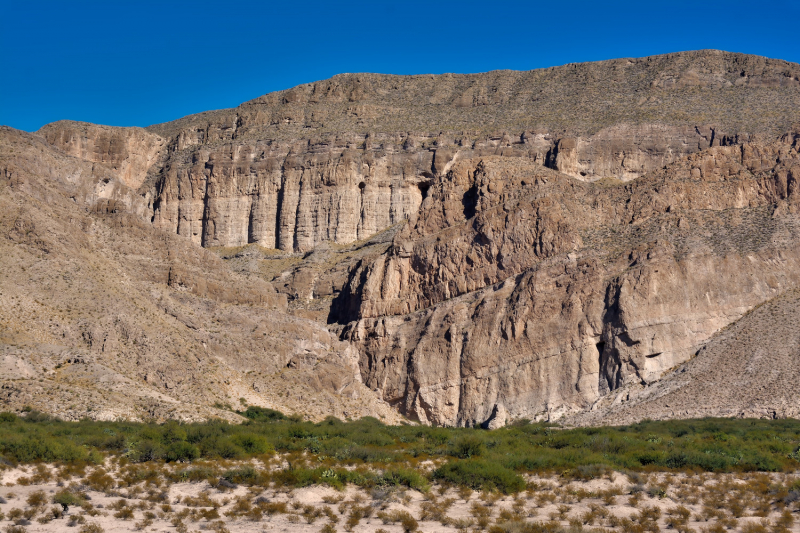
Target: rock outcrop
column 104, row 316
column 544, row 294
column 340, row 159
column 129, row 152
column 486, row 247
column 749, row 370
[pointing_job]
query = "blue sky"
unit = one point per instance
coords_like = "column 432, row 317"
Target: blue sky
column 130, row 63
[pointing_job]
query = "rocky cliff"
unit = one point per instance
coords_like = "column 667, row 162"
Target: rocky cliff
column 340, row 159
column 492, row 246
column 104, row 316
column 129, row 152
column 525, row 289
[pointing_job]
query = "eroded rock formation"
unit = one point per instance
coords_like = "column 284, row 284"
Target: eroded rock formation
column 549, row 238
column 129, row 152
column 341, row 159
column 556, row 292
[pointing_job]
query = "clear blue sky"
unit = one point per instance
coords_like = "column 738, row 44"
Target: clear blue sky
column 131, row 63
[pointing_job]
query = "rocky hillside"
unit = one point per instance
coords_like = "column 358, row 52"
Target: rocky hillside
column 475, row 248
column 523, row 292
column 750, row 369
column 104, row 316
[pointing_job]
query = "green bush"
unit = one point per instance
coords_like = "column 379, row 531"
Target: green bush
column 262, row 414
column 468, row 446
column 253, row 444
column 65, row 499
column 181, row 451
column 243, row 475
column 380, row 453
column 480, row 475
column 146, row 450
column 404, row 476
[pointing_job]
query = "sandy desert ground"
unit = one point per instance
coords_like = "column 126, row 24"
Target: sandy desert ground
column 629, row 503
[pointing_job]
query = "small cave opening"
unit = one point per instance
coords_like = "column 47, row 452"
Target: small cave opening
column 600, row 347
column 361, row 186
column 470, row 202
column 423, row 187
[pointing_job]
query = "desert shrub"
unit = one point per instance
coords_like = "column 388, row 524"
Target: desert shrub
column 181, row 451
column 480, row 475
column 37, row 498
column 126, row 513
column 253, row 444
column 66, row 498
column 382, row 454
column 262, row 414
column 406, row 477
column 7, row 418
column 194, row 474
column 754, row 527
column 272, row 508
column 588, row 472
column 242, row 475
column 223, row 448
column 406, row 521
column 99, row 480
column 436, row 510
column 146, row 450
column 468, row 446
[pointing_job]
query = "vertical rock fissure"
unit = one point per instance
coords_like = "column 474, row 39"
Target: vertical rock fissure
column 204, row 229
column 251, row 237
column 297, row 211
column 360, row 227
column 279, row 207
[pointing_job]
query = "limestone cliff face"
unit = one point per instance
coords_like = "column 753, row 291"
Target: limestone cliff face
column 130, row 152
column 279, row 197
column 345, row 189
column 541, row 294
column 557, row 234
column 340, row 159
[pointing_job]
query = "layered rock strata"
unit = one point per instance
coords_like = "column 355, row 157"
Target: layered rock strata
column 561, row 234
column 104, row 316
column 523, row 288
column 340, row 159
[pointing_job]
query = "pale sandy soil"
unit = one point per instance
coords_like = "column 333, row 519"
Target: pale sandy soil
column 553, row 500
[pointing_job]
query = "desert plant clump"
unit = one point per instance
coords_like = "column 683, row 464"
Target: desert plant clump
column 66, row 498
column 404, row 518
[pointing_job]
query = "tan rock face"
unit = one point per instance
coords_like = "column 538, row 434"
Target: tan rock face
column 341, row 159
column 749, row 370
column 557, row 236
column 130, row 152
column 342, row 191
column 557, row 292
column 266, row 194
column 104, row 316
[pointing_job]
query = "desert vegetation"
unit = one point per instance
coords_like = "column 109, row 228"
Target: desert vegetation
column 710, row 475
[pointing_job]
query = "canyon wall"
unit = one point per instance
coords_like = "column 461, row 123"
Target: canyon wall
column 340, row 159
column 545, row 294
column 345, row 189
column 558, row 234
column 130, row 152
